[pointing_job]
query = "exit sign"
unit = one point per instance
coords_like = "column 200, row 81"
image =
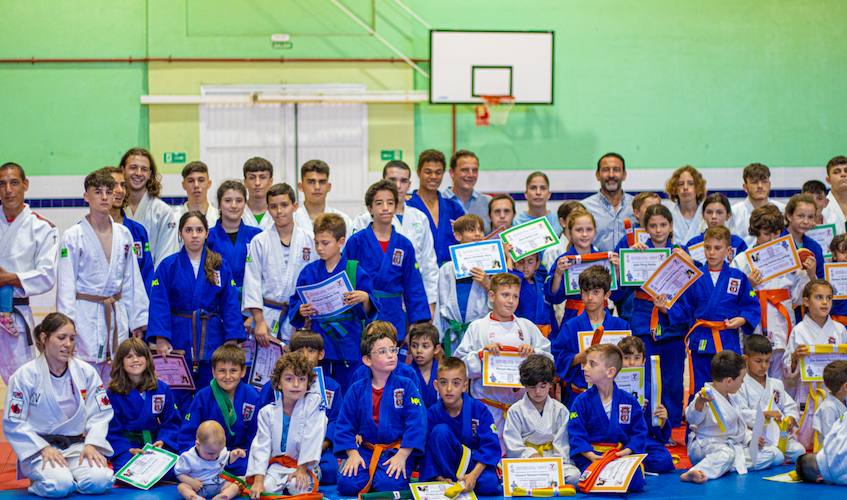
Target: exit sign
column 175, row 157
column 391, row 154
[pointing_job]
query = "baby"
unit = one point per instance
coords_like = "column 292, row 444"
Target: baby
column 199, row 468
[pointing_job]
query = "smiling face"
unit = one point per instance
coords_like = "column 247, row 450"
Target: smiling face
column 504, row 300
column 803, row 218
column 232, row 205
column 134, row 365
column 465, row 174
column 582, row 232
column 137, row 171
column 431, row 174
column 282, row 209
column 228, row 375
column 659, row 228
column 611, row 174
column 120, row 190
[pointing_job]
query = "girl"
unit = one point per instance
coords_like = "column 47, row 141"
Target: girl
column 686, row 189
column 838, row 248
column 57, row 415
column 716, row 212
column 230, row 236
column 194, row 303
column 145, row 410
column 800, row 217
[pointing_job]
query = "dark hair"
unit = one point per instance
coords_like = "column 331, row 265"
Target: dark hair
column 535, row 174
column 756, row 172
column 797, row 199
column 504, row 279
column 611, row 354
column 303, row 339
column 257, row 164
column 48, row 326
column 838, row 244
column 699, row 183
column 468, row 222
column 565, row 209
column 536, row 368
column 462, row 153
column 717, row 198
column 632, row 344
column 643, row 196
column 595, row 277
column 757, row 344
column 229, row 353
column 425, row 331
column 453, row 363
column 766, row 218
column 121, row 383
column 14, row 165
column 611, row 155
column 807, row 468
column 726, row 364
column 814, row 187
column 194, row 167
column 431, row 156
column 213, row 259
column 718, row 233
column 374, row 332
column 836, row 160
column 116, row 170
column 835, row 375
column 330, row 223
column 657, row 209
column 381, row 185
column 154, row 183
column 295, row 361
column 316, row 166
column 810, row 286
column 501, row 196
column 396, row 164
column 98, row 179
column 230, row 184
column 281, row 189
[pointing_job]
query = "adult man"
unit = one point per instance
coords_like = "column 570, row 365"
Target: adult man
column 464, row 171
column 611, row 205
column 836, row 176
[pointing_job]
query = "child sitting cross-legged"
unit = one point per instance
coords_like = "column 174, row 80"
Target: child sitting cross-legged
column 199, row 468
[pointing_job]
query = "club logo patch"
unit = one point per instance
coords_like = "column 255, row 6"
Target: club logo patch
column 399, row 394
column 136, row 248
column 307, row 254
column 17, row 408
column 397, row 258
column 474, row 426
column 247, row 411
column 158, row 403
column 624, row 414
column 329, row 395
column 733, row 286
column 103, row 401
column 34, row 398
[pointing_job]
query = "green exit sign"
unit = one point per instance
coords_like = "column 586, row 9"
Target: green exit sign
column 175, row 157
column 391, row 154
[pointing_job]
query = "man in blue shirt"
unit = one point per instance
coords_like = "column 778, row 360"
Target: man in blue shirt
column 611, row 205
column 464, row 171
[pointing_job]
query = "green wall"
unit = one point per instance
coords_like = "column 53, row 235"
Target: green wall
column 712, row 83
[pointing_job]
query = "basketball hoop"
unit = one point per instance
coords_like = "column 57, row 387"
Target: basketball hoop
column 494, row 110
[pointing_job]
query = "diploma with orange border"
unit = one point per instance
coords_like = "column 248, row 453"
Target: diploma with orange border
column 532, row 474
column 672, row 278
column 836, row 274
column 501, row 370
column 774, row 258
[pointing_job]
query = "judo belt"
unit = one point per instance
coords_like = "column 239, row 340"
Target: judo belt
column 775, row 298
column 20, row 301
column 62, row 442
column 575, row 305
column 109, row 309
column 377, row 450
column 813, row 402
column 503, row 407
column 540, row 448
column 590, row 475
column 545, row 330
column 379, row 294
column 454, row 327
column 285, row 461
column 840, row 319
column 716, row 327
column 145, row 437
column 198, row 347
column 282, row 307
column 562, row 491
column 655, row 329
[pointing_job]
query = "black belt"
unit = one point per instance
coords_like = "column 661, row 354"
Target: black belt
column 20, row 301
column 62, row 442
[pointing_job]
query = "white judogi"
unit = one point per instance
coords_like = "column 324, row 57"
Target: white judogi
column 267, row 275
column 207, row 472
column 683, row 229
column 832, row 458
column 754, row 397
column 29, row 247
column 715, row 452
column 807, row 332
column 829, row 412
column 525, row 425
column 553, row 253
column 301, row 218
column 83, row 269
column 212, row 214
column 741, row 213
column 447, row 307
column 832, row 214
column 158, row 219
column 306, row 433
column 249, row 218
column 32, row 411
column 415, row 227
column 513, row 333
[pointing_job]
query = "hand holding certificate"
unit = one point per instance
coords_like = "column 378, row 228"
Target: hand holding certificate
column 529, row 237
column 487, row 255
column 173, row 370
column 812, row 365
column 264, row 360
column 774, row 258
column 327, row 297
column 501, row 370
column 671, row 278
column 638, row 265
column 836, row 274
column 145, row 469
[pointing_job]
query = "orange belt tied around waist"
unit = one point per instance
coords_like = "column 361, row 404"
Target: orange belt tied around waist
column 285, row 461
column 774, row 298
column 377, row 450
column 654, row 314
column 716, row 327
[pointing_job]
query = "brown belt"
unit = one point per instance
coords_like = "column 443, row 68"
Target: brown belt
column 282, row 307
column 198, row 346
column 109, row 309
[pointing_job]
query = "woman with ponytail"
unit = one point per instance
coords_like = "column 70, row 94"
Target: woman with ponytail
column 194, row 304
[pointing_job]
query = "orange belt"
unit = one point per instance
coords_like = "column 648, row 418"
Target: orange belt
column 840, row 319
column 545, row 330
column 285, row 461
column 654, row 314
column 593, row 471
column 377, row 450
column 598, row 335
column 630, row 232
column 775, row 298
column 109, row 310
column 503, row 407
column 577, row 390
column 716, row 327
column 575, row 305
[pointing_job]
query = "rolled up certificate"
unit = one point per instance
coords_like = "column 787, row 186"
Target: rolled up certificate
column 774, row 258
column 656, row 389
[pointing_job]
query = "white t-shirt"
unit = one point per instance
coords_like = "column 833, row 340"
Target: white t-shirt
column 205, row 471
column 607, row 407
column 196, row 265
column 63, row 388
column 715, row 275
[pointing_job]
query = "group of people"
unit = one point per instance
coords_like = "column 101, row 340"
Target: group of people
column 402, row 364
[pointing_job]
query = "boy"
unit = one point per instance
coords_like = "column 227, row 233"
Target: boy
column 836, row 177
column 140, row 243
column 640, row 203
column 536, row 426
column 199, row 468
column 342, row 332
column 500, row 331
column 828, row 464
column 757, row 185
column 533, row 305
column 717, row 446
column 659, row 459
column 275, row 258
column 777, row 296
column 99, row 285
column 228, row 401
column 594, row 284
column 455, row 423
column 537, row 194
column 196, row 184
column 315, row 185
column 717, row 305
column 760, row 392
column 832, row 408
column 464, row 172
column 817, row 189
column 258, row 177
column 425, row 349
column 284, row 455
column 461, row 301
column 389, row 258
column 501, row 212
column 605, row 416
column 380, row 430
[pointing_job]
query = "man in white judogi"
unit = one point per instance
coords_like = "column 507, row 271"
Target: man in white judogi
column 29, row 247
column 258, row 177
column 315, row 185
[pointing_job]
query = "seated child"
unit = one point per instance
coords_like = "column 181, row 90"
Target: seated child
column 536, row 426
column 285, row 453
column 604, row 416
column 715, row 451
column 532, row 304
column 455, row 422
column 659, row 459
column 382, row 419
column 832, row 407
column 423, row 344
column 199, row 468
column 760, row 392
column 228, row 401
column 827, row 465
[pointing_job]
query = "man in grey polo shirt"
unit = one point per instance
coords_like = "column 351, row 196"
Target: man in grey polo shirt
column 611, row 205
column 464, row 171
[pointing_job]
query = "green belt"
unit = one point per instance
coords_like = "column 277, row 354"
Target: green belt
column 385, row 295
column 333, row 324
column 454, row 327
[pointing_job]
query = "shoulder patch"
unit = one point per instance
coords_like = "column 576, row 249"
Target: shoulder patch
column 64, row 252
column 41, row 217
column 574, row 415
column 155, row 282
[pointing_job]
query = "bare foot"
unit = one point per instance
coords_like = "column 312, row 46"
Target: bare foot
column 694, row 476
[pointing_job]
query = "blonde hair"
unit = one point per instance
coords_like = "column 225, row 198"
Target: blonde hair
column 699, row 183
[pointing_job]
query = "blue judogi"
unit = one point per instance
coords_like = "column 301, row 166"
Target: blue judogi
column 533, row 305
column 736, row 242
column 427, row 387
column 141, row 243
column 442, row 235
column 573, row 302
column 235, row 254
column 659, row 459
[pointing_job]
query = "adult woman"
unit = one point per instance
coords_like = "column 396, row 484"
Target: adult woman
column 687, row 190
column 57, row 415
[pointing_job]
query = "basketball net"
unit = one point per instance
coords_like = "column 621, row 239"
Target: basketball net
column 494, row 110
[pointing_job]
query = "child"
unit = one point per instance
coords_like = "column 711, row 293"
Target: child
column 716, row 212
column 828, row 464
column 461, row 301
column 274, row 261
column 501, row 212
column 532, row 304
column 341, row 332
column 389, row 258
column 604, row 416
column 285, row 453
column 231, row 235
column 196, row 184
column 226, row 400
column 537, row 194
column 800, row 216
column 553, row 253
column 258, row 177
column 594, row 285
column 658, row 459
column 455, row 423
column 99, row 285
column 640, row 203
column 145, row 409
column 536, row 426
column 425, row 349
column 199, row 468
column 777, row 296
column 817, row 189
column 763, row 393
column 838, row 248
column 686, row 190
column 832, row 408
column 757, row 185
column 717, row 305
column 381, row 428
column 499, row 331
column 315, row 185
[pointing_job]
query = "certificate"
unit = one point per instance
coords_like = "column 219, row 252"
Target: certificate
column 320, row 385
column 529, row 237
column 836, row 274
column 571, row 276
column 531, row 473
column 435, row 491
column 501, row 370
column 487, row 255
column 774, row 258
column 609, row 337
column 264, row 360
column 823, row 236
column 173, row 370
column 671, row 278
column 698, row 252
column 616, row 475
column 641, row 235
column 820, row 355
column 145, row 469
column 327, row 297
column 638, row 265
column 631, row 380
column 758, row 432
